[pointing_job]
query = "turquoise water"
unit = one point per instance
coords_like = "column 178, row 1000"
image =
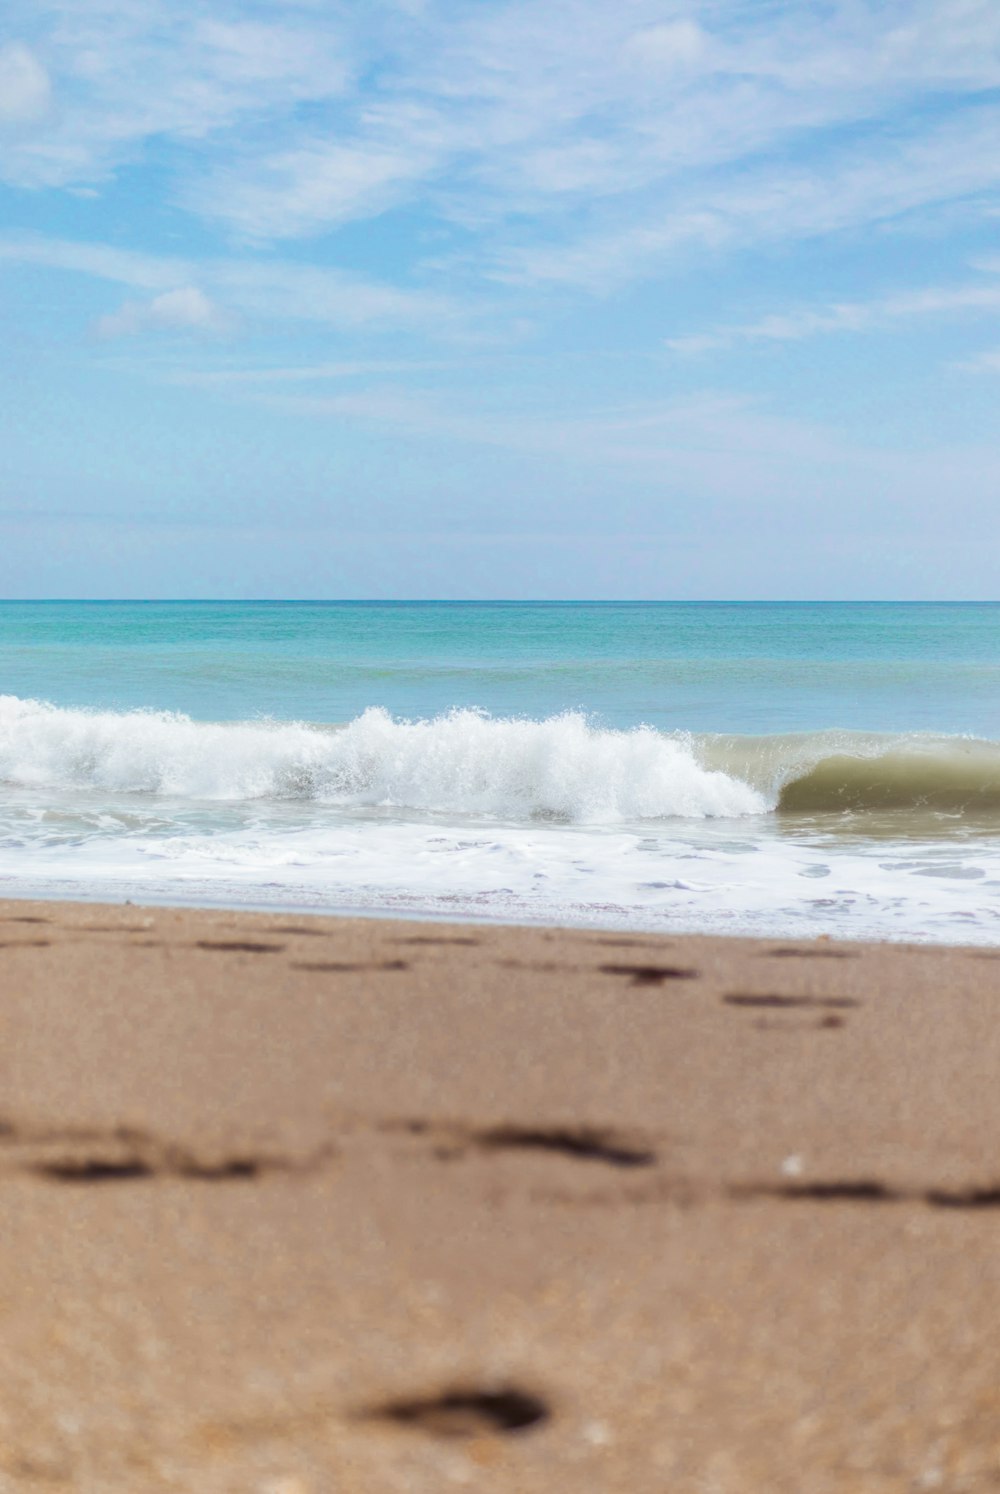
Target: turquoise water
column 715, row 666
column 655, row 765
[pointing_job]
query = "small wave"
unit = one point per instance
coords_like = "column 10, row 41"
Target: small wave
column 467, row 762
column 463, row 762
column 949, row 778
column 829, row 771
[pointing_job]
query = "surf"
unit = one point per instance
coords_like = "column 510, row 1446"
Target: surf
column 462, row 762
column 467, row 762
column 840, row 771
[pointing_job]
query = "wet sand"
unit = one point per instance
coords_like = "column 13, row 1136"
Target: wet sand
column 333, row 1206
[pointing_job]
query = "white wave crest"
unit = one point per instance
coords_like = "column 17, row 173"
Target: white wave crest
column 463, row 762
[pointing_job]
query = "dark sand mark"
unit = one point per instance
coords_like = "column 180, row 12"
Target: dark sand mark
column 649, row 975
column 789, row 1003
column 811, row 954
column 241, row 1167
column 83, row 1154
column 295, row 929
column 229, row 1169
column 466, row 1412
column 91, row 1169
column 435, row 939
column 838, row 1190
column 336, row 968
column 25, row 943
column 869, row 1190
column 686, row 1192
column 540, row 967
column 964, row 1198
column 581, row 1143
column 239, row 946
column 789, row 1024
column 586, row 1143
column 635, row 941
column 114, row 928
column 24, row 918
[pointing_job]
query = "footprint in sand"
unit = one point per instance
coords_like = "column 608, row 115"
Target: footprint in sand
column 466, row 1412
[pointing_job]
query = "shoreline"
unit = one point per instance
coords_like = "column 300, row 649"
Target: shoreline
column 390, row 914
column 301, row 1203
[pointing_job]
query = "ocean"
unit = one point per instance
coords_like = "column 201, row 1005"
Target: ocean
column 782, row 769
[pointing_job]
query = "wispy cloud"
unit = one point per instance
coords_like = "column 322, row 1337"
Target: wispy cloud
column 852, row 186
column 186, row 309
column 254, row 288
column 288, row 120
column 126, row 75
column 316, row 185
column 735, row 452
column 705, row 431
column 846, row 316
column 317, row 373
column 103, row 261
column 25, row 91
column 987, row 362
column 454, row 184
column 567, row 113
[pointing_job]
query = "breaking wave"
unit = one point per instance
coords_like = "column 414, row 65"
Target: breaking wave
column 467, row 762
column 463, row 762
column 819, row 772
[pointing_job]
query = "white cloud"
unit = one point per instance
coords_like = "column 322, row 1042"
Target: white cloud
column 229, row 378
column 846, row 316
column 25, row 90
column 860, row 185
column 698, row 433
column 186, row 309
column 987, row 362
column 259, row 289
column 732, row 452
column 136, row 71
column 104, row 261
column 668, row 45
column 291, row 193
column 573, row 143
column 276, row 288
column 493, row 112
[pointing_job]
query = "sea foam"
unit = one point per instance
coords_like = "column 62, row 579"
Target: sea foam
column 466, row 762
column 463, row 762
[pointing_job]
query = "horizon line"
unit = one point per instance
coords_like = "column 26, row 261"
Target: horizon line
column 503, row 601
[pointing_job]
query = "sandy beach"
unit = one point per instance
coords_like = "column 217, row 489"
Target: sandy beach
column 317, row 1206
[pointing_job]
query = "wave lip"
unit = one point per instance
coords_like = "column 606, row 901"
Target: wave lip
column 952, row 776
column 469, row 763
column 837, row 771
column 463, row 762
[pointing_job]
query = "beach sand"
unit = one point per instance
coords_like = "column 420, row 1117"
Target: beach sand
column 317, row 1206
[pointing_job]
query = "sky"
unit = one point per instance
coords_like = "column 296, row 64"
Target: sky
column 500, row 298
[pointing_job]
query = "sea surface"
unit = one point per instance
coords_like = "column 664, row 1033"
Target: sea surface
column 786, row 769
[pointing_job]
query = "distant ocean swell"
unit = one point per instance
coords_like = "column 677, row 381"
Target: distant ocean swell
column 465, row 762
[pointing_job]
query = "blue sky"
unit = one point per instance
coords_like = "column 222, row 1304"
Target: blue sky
column 423, row 298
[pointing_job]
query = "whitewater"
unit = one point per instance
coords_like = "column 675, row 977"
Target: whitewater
column 465, row 814
column 754, row 768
